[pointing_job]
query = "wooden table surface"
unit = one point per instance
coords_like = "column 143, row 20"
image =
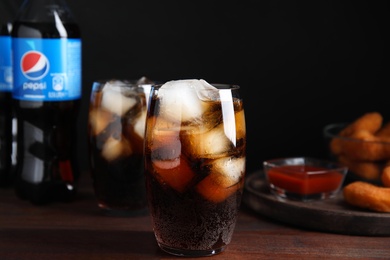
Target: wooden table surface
column 79, row 230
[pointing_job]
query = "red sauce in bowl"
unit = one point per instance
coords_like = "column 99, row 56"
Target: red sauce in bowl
column 304, row 179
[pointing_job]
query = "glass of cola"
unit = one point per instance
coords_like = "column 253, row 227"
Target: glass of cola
column 116, row 126
column 195, row 163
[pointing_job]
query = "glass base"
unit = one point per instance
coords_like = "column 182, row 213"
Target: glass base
column 190, row 253
column 285, row 195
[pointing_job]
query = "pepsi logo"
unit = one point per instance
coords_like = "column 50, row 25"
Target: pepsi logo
column 34, row 65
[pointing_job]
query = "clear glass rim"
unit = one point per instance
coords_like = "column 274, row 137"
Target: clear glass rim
column 308, row 161
column 219, row 86
column 122, row 81
column 130, row 84
column 332, row 131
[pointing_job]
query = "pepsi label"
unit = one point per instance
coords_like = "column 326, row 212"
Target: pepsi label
column 47, row 69
column 5, row 64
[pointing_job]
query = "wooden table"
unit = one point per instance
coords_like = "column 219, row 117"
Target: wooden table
column 78, row 230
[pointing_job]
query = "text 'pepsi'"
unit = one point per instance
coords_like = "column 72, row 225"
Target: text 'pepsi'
column 42, row 75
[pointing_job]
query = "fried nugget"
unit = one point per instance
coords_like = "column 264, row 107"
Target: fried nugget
column 368, row 196
column 336, row 146
column 384, row 136
column 385, row 177
column 365, row 146
column 384, row 132
column 363, row 128
column 370, row 122
column 364, row 169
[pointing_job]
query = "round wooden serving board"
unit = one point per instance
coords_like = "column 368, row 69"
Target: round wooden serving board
column 330, row 215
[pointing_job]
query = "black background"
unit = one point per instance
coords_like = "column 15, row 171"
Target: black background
column 300, row 64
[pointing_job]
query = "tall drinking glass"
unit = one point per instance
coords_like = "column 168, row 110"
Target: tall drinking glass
column 195, row 147
column 117, row 113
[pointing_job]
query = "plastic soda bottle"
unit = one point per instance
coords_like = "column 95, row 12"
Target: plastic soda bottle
column 46, row 44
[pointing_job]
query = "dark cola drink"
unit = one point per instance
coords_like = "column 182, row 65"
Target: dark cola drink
column 117, row 116
column 47, row 91
column 195, row 165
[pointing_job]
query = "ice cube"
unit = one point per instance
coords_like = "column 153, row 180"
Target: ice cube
column 240, row 124
column 99, row 120
column 211, row 189
column 116, row 98
column 181, row 100
column 116, row 148
column 226, row 176
column 144, row 80
column 231, row 169
column 146, row 85
column 176, row 173
column 221, row 139
column 210, row 144
column 164, row 138
column 139, row 124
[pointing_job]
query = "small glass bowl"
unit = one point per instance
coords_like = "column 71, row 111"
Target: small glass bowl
column 365, row 159
column 304, row 178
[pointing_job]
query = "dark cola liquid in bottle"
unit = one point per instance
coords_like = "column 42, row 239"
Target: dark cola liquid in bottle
column 6, row 111
column 46, row 45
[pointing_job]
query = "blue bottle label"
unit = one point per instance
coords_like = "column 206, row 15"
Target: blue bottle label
column 47, row 69
column 5, row 64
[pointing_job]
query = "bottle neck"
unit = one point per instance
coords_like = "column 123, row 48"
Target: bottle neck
column 6, row 29
column 45, row 11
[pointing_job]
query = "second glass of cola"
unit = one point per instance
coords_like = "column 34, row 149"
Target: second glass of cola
column 117, row 115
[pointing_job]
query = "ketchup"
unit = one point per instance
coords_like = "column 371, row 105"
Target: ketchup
column 301, row 179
